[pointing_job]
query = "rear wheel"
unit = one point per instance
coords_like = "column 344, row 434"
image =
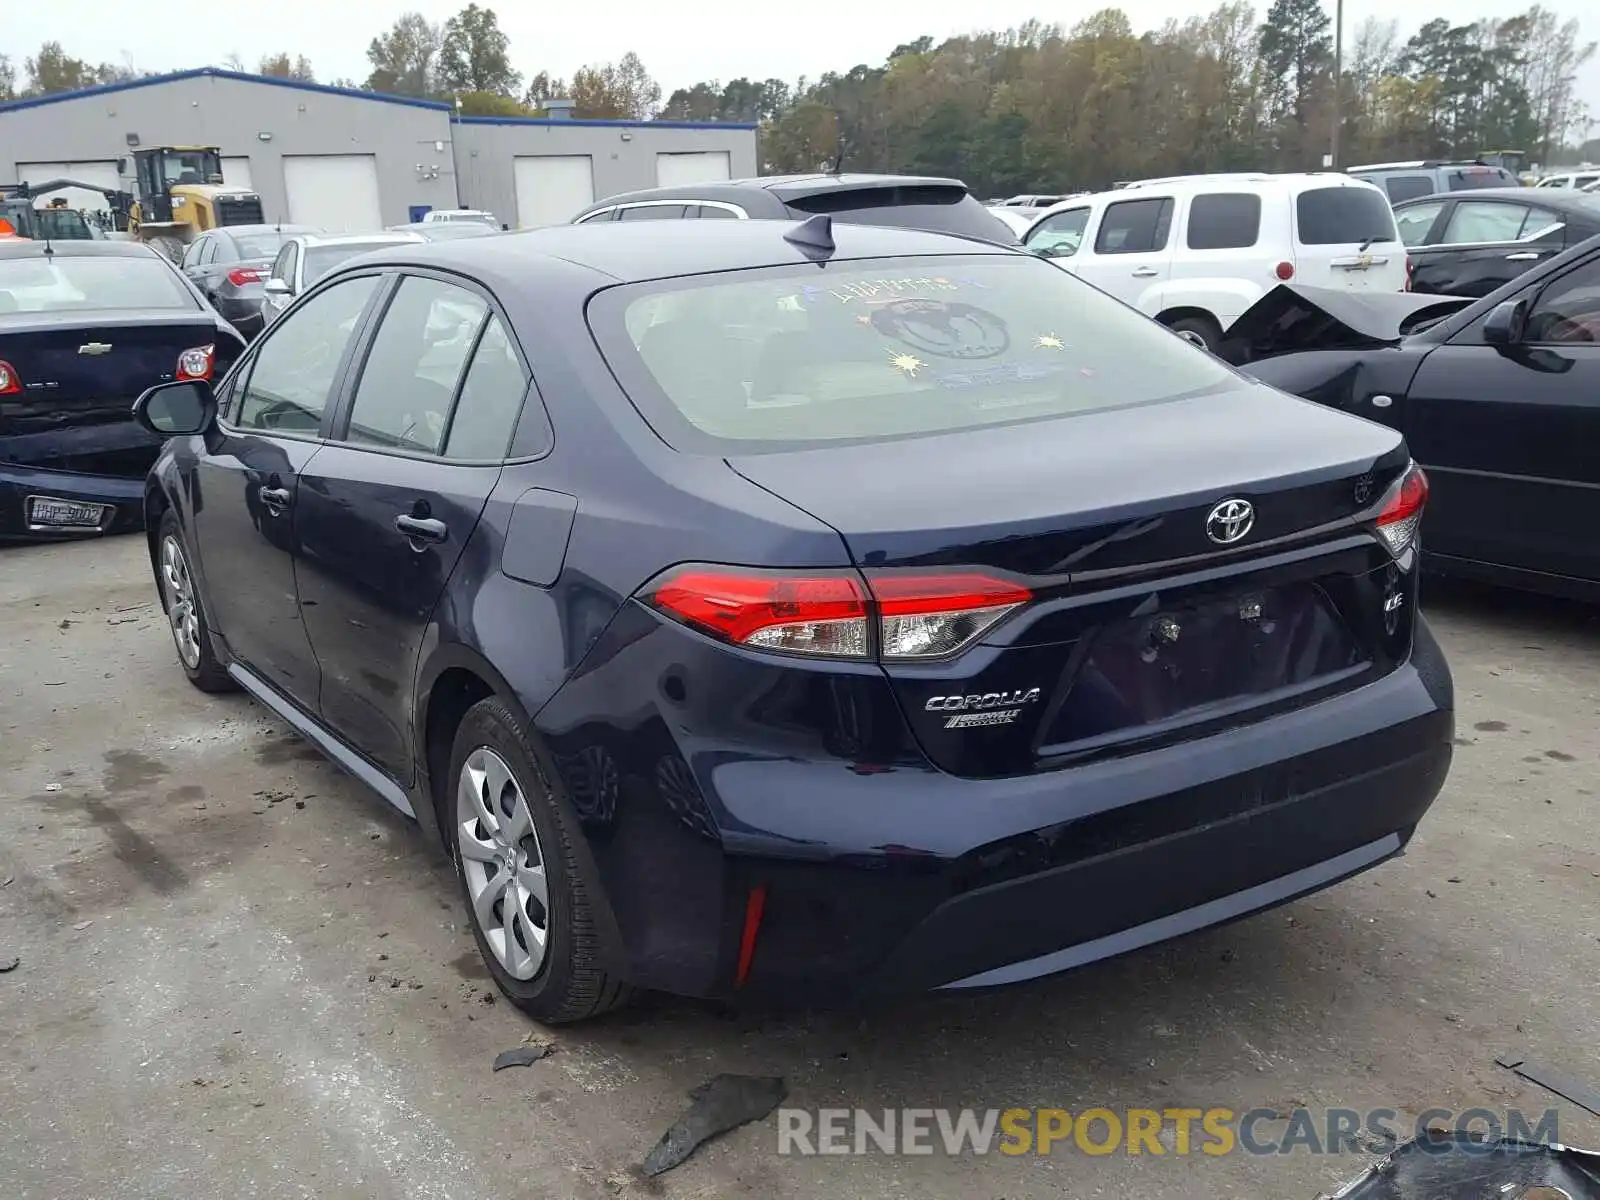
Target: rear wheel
column 180, row 596
column 526, row 889
column 1202, row 331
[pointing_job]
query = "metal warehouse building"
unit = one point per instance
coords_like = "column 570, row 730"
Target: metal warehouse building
column 352, row 160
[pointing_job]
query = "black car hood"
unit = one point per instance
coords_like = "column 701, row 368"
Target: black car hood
column 1295, row 316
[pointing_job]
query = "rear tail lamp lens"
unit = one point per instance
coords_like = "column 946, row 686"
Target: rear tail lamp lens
column 240, row 276
column 1402, row 510
column 197, row 362
column 903, row 615
column 9, row 382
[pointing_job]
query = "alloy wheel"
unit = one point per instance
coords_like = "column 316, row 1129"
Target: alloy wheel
column 503, row 863
column 181, row 608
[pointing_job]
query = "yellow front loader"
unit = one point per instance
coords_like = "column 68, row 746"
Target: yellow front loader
column 180, row 194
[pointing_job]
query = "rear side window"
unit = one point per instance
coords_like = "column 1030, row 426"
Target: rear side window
column 1485, row 221
column 1134, row 227
column 1407, row 187
column 1334, row 216
column 784, row 357
column 416, row 360
column 1224, row 221
column 711, row 212
column 652, row 212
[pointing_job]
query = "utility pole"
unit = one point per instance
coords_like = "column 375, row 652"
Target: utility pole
column 1338, row 82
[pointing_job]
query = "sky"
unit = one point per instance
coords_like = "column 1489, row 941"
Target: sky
column 678, row 45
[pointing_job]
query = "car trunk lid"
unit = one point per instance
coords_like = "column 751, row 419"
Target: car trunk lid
column 1144, row 623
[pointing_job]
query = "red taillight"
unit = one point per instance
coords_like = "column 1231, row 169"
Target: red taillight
column 903, row 614
column 10, row 382
column 240, row 276
column 1401, row 512
column 197, row 362
column 755, row 904
column 1284, row 271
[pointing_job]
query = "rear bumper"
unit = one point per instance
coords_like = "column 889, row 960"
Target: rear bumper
column 125, row 498
column 894, row 878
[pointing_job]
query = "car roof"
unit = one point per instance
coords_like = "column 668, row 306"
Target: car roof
column 1264, row 181
column 625, row 252
column 782, row 187
column 265, row 228
column 357, row 239
column 62, row 248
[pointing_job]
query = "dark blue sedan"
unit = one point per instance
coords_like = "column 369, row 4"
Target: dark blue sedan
column 783, row 611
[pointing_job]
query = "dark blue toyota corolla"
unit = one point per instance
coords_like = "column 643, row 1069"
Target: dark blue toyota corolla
column 789, row 612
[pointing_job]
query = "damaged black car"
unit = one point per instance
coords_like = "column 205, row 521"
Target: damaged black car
column 1498, row 398
column 85, row 327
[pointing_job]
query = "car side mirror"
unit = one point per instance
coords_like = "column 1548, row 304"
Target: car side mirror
column 1505, row 323
column 176, row 409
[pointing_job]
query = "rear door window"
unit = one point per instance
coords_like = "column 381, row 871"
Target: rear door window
column 1478, row 221
column 1335, row 216
column 1134, row 227
column 1224, row 221
column 1407, row 187
column 491, row 399
column 653, row 212
column 414, row 366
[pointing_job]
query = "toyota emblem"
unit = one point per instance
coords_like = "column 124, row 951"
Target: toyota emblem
column 1229, row 521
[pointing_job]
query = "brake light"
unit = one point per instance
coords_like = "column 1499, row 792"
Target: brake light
column 10, row 382
column 1402, row 510
column 1284, row 271
column 902, row 615
column 240, row 276
column 197, row 362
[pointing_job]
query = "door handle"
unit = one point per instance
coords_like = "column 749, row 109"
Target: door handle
column 275, row 499
column 422, row 529
column 1145, row 272
column 1522, row 256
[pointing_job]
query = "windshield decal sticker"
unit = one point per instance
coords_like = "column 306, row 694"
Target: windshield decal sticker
column 910, row 364
column 1048, row 341
column 944, row 330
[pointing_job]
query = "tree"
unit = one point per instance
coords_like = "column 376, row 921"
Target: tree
column 622, row 89
column 8, row 78
column 474, row 55
column 405, row 60
column 543, row 88
column 281, row 66
column 54, row 70
column 1296, row 61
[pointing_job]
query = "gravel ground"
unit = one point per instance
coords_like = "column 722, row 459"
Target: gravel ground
column 240, row 975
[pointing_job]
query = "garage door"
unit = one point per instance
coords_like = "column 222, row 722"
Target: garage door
column 336, row 192
column 675, row 170
column 236, row 172
column 551, row 189
column 100, row 173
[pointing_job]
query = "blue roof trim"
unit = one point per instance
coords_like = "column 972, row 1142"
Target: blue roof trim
column 592, row 122
column 219, row 73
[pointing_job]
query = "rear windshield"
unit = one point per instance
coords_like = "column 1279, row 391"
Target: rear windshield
column 1466, row 178
column 322, row 259
column 1336, row 216
column 62, row 284
column 259, row 245
column 62, row 224
column 925, row 206
column 793, row 357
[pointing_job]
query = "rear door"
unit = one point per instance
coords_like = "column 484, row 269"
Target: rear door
column 1508, row 436
column 1345, row 238
column 1482, row 244
column 1130, row 252
column 387, row 507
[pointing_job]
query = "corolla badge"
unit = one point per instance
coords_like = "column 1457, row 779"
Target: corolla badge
column 95, row 348
column 1229, row 521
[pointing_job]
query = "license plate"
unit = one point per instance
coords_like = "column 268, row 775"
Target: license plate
column 65, row 514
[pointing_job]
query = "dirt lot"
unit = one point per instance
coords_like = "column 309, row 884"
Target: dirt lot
column 240, row 975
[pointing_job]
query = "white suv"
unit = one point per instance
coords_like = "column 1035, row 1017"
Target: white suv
column 1194, row 252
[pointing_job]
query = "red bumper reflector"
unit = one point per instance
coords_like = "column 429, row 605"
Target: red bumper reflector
column 754, row 906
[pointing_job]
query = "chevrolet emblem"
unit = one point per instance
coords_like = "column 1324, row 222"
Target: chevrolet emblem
column 95, row 348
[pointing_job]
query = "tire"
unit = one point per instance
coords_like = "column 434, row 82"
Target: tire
column 494, row 800
column 1202, row 331
column 186, row 615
